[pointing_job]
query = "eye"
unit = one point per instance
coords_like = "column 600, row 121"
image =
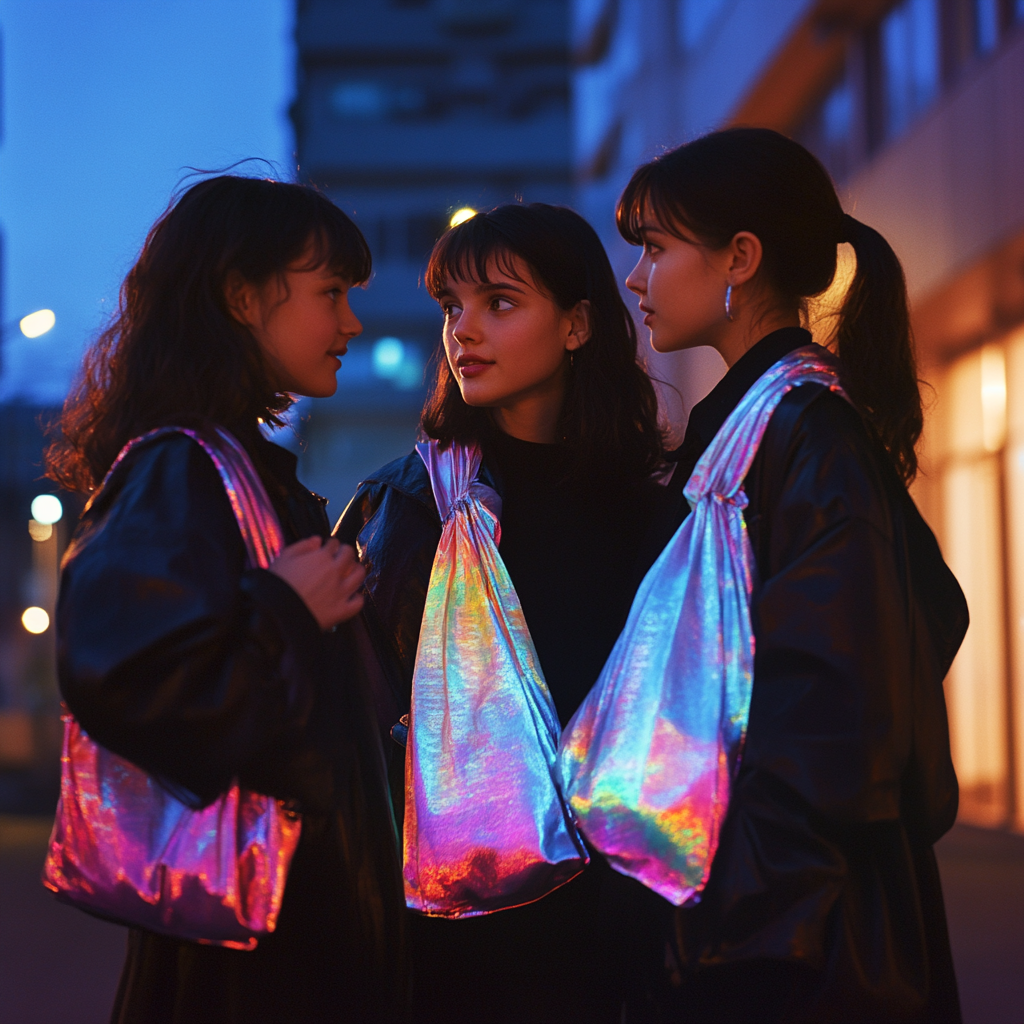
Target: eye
column 650, row 248
column 500, row 304
column 450, row 310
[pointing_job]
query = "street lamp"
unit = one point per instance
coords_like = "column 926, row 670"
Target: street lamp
column 34, row 325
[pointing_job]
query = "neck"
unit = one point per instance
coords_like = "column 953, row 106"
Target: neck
column 534, row 417
column 736, row 338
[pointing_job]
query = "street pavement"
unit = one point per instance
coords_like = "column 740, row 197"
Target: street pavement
column 60, row 966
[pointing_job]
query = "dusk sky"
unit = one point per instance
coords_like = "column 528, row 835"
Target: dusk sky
column 106, row 104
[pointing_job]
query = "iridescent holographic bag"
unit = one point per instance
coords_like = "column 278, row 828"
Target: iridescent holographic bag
column 647, row 761
column 485, row 828
column 124, row 848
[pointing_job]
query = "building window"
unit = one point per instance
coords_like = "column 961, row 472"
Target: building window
column 375, row 101
column 829, row 131
column 909, row 64
column 896, row 68
column 976, row 457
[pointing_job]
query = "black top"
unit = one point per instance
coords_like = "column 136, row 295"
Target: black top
column 175, row 655
column 570, row 548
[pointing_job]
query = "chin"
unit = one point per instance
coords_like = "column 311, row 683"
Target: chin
column 668, row 344
column 321, row 390
column 478, row 398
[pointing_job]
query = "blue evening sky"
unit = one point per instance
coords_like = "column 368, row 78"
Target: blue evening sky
column 105, row 105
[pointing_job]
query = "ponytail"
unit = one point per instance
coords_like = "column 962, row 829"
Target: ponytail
column 754, row 179
column 875, row 347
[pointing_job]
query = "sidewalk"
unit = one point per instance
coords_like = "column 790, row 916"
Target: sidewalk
column 60, row 965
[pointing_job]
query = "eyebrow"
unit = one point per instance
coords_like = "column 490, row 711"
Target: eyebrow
column 482, row 286
column 500, row 286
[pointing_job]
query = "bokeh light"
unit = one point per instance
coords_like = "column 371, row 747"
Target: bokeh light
column 37, row 323
column 39, row 531
column 47, row 509
column 461, row 216
column 35, row 620
column 388, row 354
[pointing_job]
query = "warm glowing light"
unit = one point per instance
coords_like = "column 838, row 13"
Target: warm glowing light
column 35, row 620
column 993, row 397
column 461, row 216
column 39, row 531
column 47, row 509
column 35, row 324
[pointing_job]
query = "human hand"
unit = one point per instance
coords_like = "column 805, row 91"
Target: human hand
column 327, row 576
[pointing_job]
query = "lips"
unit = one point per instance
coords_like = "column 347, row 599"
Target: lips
column 471, row 366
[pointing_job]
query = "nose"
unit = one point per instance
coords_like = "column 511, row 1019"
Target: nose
column 463, row 329
column 637, row 280
column 349, row 325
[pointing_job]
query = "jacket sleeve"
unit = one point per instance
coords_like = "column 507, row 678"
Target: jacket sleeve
column 170, row 652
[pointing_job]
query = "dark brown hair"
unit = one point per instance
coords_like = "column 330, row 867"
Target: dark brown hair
column 610, row 413
column 756, row 180
column 173, row 353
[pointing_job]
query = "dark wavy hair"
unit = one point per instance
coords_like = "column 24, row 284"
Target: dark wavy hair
column 756, row 180
column 610, row 412
column 173, row 353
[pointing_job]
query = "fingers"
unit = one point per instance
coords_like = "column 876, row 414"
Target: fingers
column 326, row 575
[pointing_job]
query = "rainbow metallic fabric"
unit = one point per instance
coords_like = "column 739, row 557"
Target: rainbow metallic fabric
column 647, row 761
column 124, row 848
column 485, row 828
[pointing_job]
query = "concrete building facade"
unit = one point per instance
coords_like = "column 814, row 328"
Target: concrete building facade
column 917, row 109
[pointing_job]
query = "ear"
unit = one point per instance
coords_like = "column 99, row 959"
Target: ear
column 745, row 255
column 242, row 299
column 579, row 325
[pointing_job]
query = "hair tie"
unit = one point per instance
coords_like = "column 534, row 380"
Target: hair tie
column 847, row 226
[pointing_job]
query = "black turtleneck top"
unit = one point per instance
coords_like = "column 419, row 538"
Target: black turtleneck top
column 571, row 548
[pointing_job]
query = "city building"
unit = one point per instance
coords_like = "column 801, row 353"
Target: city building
column 917, row 109
column 408, row 111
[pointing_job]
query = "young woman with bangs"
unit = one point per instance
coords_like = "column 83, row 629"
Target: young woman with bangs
column 824, row 900
column 539, row 369
column 196, row 667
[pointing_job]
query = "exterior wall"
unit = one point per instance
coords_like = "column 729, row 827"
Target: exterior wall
column 950, row 191
column 406, row 111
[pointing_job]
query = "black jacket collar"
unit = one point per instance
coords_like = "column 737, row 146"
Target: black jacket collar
column 708, row 415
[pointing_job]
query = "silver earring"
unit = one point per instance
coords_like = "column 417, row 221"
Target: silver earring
column 728, row 303
column 572, row 358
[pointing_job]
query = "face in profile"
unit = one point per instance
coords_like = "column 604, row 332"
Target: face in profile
column 302, row 323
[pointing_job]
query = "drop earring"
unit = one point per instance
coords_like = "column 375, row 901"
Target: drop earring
column 728, row 304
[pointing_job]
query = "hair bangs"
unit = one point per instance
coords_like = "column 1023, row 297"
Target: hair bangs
column 648, row 194
column 333, row 243
column 467, row 252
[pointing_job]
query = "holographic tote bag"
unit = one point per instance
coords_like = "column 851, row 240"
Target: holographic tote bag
column 485, row 828
column 123, row 848
column 647, row 760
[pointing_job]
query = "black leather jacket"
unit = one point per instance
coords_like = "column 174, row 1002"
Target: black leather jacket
column 824, row 901
column 176, row 656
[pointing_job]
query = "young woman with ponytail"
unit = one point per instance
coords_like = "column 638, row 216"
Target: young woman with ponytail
column 822, row 900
